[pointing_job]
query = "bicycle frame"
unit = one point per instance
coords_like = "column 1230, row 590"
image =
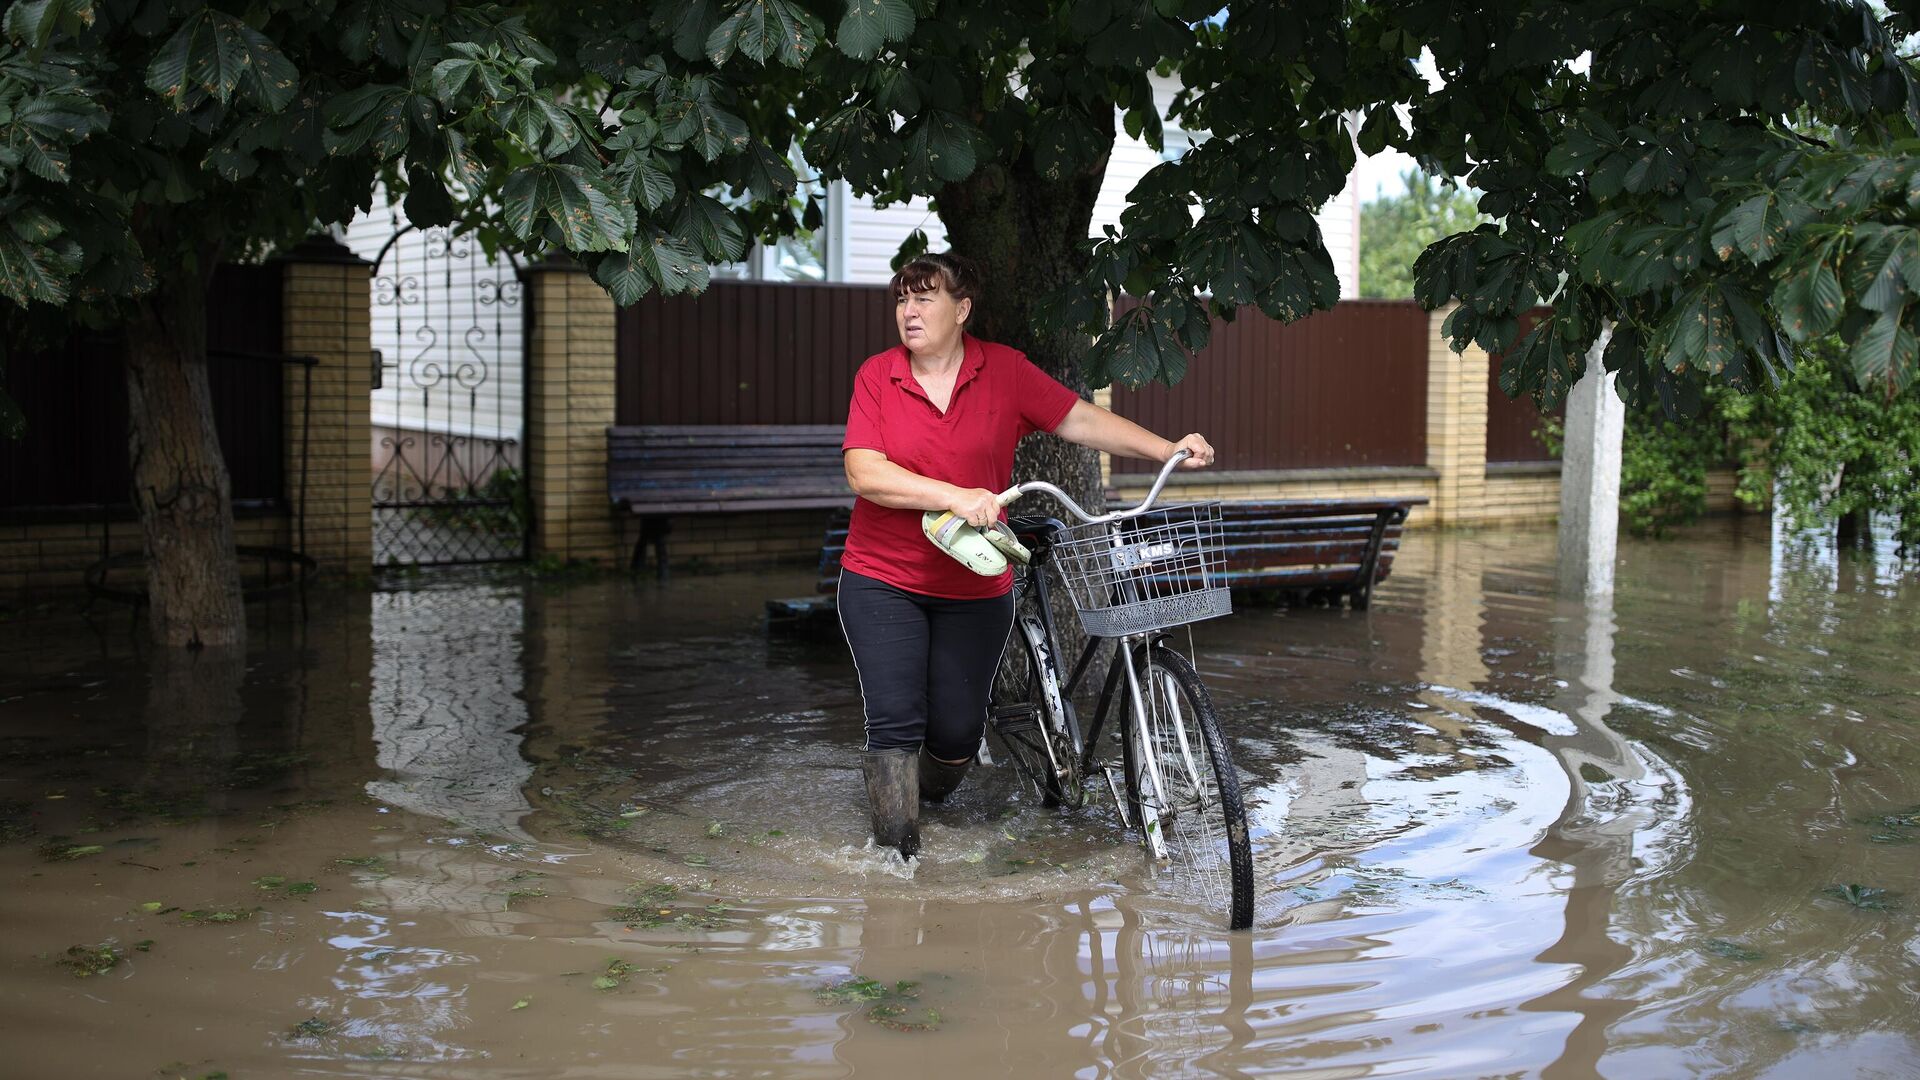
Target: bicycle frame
column 1039, row 631
column 1042, row 636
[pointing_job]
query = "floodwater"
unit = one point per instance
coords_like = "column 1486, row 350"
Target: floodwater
column 487, row 827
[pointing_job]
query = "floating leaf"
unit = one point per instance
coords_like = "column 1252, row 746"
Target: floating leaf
column 85, row 961
column 1730, row 950
column 1864, row 897
column 311, row 1028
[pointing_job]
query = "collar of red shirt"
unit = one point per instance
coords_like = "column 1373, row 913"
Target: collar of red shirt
column 901, row 369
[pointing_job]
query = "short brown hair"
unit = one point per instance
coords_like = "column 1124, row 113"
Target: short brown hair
column 942, row 269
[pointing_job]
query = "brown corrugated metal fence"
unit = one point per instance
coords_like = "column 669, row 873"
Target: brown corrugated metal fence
column 749, row 353
column 1511, row 422
column 1346, row 387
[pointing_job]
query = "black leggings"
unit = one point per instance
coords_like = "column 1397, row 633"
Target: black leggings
column 926, row 664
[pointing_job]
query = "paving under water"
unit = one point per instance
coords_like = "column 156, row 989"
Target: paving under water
column 497, row 828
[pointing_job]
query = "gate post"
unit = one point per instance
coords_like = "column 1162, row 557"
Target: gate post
column 327, row 318
column 1456, row 425
column 570, row 404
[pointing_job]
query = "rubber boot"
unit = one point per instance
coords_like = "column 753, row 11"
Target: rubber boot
column 938, row 779
column 893, row 782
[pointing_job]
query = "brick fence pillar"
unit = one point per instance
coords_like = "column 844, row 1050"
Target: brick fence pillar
column 1456, row 425
column 327, row 318
column 570, row 403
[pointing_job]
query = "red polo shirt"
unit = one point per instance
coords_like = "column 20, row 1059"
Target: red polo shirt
column 998, row 397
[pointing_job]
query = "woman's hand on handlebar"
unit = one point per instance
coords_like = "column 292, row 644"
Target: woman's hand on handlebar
column 977, row 505
column 1197, row 446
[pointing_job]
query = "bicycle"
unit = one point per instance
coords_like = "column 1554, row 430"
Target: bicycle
column 1132, row 574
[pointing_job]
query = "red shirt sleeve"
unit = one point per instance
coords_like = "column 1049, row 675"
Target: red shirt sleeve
column 1044, row 402
column 864, row 424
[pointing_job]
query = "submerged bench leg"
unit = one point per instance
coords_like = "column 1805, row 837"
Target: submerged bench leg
column 1361, row 593
column 653, row 530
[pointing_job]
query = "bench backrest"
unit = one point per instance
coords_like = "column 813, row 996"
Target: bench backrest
column 676, row 469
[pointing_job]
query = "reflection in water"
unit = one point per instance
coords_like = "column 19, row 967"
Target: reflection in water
column 193, row 715
column 447, row 707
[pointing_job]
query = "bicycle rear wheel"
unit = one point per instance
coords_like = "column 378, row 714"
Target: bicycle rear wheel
column 1038, row 727
column 1202, row 818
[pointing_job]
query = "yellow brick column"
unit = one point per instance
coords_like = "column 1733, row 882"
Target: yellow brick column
column 326, row 316
column 570, row 403
column 1456, row 425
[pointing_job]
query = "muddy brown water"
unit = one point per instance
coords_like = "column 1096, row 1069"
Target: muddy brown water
column 491, row 828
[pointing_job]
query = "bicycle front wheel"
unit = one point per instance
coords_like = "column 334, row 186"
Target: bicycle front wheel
column 1196, row 792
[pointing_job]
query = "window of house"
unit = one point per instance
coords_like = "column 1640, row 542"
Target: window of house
column 800, row 257
column 1175, row 142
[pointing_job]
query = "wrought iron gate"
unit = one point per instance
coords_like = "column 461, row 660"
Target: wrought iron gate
column 449, row 476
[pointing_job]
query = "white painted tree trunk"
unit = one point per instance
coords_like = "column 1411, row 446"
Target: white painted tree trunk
column 1590, row 481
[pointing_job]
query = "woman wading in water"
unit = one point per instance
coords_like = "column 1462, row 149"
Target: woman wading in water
column 932, row 426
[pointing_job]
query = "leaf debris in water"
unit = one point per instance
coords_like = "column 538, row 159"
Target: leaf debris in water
column 888, row 1006
column 1864, row 897
column 1731, row 950
column 85, row 961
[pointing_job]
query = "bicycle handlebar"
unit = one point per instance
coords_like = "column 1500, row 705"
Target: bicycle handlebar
column 1008, row 496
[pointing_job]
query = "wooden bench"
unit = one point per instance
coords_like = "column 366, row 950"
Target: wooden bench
column 1320, row 549
column 661, row 470
column 1323, row 548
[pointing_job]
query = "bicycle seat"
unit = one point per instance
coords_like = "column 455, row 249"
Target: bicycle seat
column 1036, row 530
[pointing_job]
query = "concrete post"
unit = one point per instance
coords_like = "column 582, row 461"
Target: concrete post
column 570, row 403
column 328, row 318
column 1590, row 481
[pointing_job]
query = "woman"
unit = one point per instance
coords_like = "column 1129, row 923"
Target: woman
column 932, row 426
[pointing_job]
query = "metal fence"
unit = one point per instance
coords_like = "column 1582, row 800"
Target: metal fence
column 1346, row 387
column 72, row 461
column 1514, row 424
column 749, row 353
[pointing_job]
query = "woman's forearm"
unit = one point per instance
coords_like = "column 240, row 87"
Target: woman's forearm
column 877, row 480
column 1090, row 425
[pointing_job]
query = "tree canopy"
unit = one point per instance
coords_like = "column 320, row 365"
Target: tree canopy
column 1648, row 161
column 1395, row 229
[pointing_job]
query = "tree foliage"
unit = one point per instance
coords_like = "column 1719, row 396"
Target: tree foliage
column 1819, row 448
column 1645, row 160
column 1831, row 449
column 1395, row 229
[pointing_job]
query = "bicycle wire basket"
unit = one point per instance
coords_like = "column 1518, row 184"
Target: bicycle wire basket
column 1163, row 568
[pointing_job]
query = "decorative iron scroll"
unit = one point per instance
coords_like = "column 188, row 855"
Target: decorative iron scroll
column 449, row 483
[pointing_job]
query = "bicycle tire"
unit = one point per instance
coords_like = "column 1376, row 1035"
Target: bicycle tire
column 1024, row 728
column 1204, row 821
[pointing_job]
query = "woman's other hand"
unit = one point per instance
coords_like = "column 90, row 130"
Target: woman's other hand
column 977, row 505
column 1201, row 449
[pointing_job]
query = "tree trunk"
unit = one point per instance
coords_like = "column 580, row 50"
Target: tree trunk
column 180, row 481
column 1025, row 232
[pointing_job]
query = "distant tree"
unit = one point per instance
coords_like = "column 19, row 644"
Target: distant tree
column 1395, row 229
column 1644, row 160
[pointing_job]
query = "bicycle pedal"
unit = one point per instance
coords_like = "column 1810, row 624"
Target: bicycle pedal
column 1119, row 800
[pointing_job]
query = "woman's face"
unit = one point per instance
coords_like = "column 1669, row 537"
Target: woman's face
column 930, row 320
